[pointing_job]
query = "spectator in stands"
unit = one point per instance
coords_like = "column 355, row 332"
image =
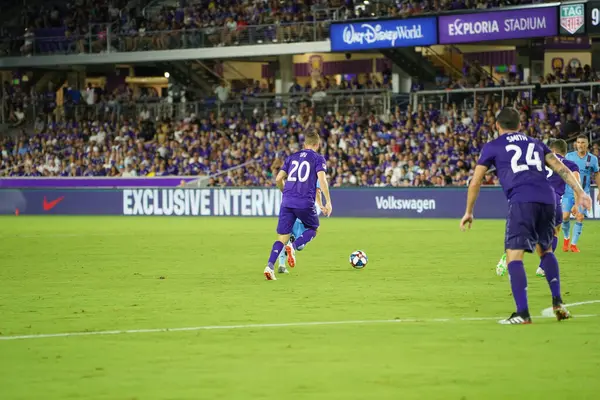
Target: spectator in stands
column 29, row 39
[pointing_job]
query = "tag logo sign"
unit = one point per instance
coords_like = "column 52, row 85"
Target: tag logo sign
column 572, row 18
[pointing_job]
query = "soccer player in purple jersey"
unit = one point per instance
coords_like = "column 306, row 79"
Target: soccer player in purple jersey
column 559, row 148
column 519, row 161
column 297, row 179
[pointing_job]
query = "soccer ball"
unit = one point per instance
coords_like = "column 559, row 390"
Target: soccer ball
column 359, row 259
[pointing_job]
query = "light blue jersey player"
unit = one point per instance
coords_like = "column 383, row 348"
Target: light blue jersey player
column 588, row 170
column 297, row 231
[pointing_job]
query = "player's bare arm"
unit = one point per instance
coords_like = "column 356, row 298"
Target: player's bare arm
column 325, row 189
column 280, row 180
column 569, row 177
column 472, row 195
column 319, row 200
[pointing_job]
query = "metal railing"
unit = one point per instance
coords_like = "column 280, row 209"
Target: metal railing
column 106, row 38
column 362, row 101
column 536, row 94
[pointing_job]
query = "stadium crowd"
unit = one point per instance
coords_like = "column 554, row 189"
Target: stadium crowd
column 420, row 147
column 82, row 26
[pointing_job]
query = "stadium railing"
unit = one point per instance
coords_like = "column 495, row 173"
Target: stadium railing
column 536, row 94
column 377, row 101
column 106, row 38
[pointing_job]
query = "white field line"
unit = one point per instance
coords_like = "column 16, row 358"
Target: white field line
column 547, row 312
column 258, row 326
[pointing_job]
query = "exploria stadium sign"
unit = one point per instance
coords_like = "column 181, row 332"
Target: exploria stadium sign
column 513, row 24
column 383, row 34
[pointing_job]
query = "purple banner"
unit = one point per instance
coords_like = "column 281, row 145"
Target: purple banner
column 405, row 203
column 499, row 25
column 99, row 182
column 355, row 202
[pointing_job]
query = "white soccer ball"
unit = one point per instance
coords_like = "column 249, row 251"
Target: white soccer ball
column 358, row 259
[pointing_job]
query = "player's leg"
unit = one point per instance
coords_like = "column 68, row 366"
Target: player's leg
column 282, row 258
column 577, row 229
column 567, row 205
column 557, row 225
column 284, row 229
column 310, row 221
column 298, row 230
column 520, row 237
column 548, row 261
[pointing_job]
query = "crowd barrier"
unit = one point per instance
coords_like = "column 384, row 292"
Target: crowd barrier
column 95, row 182
column 254, row 202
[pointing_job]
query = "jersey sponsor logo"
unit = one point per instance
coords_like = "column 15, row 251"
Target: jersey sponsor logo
column 49, row 205
column 392, row 203
column 202, row 202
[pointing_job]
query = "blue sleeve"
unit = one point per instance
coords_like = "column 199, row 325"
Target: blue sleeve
column 595, row 164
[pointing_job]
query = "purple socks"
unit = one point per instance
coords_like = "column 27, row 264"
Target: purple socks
column 554, row 245
column 277, row 247
column 549, row 264
column 518, row 283
column 306, row 237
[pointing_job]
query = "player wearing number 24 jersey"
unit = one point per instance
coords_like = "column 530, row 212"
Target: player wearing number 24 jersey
column 559, row 148
column 298, row 179
column 520, row 161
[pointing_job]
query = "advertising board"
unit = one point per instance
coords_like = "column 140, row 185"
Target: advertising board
column 383, row 34
column 498, row 25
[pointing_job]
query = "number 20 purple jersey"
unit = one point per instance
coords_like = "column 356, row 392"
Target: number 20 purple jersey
column 301, row 185
column 520, row 165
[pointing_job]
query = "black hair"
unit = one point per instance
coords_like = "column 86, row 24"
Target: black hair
column 508, row 119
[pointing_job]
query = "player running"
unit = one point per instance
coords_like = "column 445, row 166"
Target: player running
column 519, row 161
column 559, row 148
column 588, row 165
column 297, row 231
column 298, row 182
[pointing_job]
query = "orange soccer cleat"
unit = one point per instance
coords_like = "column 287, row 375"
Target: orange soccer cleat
column 566, row 243
column 575, row 249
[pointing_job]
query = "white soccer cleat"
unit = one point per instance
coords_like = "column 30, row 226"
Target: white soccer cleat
column 540, row 272
column 270, row 274
column 291, row 255
column 282, row 270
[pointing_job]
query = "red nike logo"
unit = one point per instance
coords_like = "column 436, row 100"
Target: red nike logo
column 49, row 205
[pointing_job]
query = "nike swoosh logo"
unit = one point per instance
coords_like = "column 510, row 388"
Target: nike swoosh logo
column 49, row 205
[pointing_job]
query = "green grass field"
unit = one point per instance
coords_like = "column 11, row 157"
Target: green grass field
column 70, row 274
